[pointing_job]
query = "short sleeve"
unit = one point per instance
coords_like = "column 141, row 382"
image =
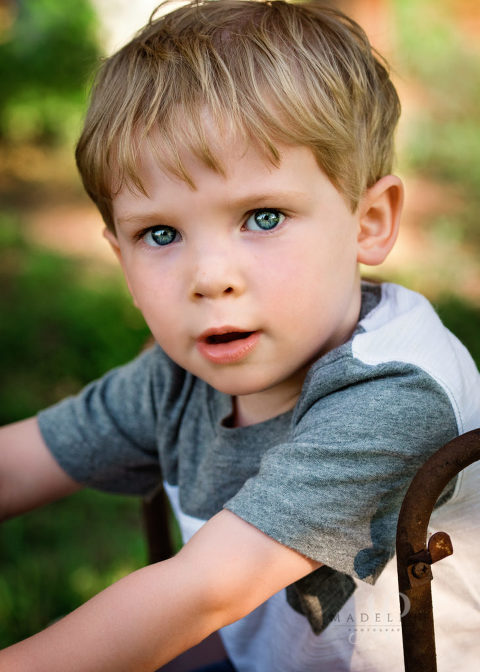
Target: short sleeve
column 105, row 437
column 334, row 490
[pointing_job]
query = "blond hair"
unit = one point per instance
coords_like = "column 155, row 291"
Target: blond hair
column 276, row 72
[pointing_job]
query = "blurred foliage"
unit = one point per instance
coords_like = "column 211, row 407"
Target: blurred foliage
column 65, row 326
column 62, row 326
column 46, row 55
column 463, row 319
column 444, row 134
column 54, row 559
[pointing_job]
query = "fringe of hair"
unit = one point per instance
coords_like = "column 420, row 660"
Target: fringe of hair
column 271, row 72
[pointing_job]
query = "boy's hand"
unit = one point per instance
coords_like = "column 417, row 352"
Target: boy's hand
column 29, row 475
column 144, row 620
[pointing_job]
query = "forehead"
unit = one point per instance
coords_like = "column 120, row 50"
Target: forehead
column 238, row 167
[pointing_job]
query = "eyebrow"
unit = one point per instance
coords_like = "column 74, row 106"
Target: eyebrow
column 262, row 199
column 140, row 218
column 267, row 197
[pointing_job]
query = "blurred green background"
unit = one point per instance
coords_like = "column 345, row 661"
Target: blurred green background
column 65, row 317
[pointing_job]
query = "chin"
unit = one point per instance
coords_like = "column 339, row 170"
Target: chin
column 237, row 385
column 235, row 389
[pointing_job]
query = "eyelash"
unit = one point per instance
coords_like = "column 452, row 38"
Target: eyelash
column 141, row 235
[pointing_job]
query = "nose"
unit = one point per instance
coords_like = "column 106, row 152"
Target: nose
column 216, row 274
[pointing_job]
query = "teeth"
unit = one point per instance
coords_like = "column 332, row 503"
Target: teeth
column 230, row 336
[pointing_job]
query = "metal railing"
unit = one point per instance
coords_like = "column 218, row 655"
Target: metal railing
column 415, row 557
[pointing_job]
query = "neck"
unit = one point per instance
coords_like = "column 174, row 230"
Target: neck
column 251, row 409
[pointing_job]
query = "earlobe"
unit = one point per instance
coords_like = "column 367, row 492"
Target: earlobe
column 379, row 218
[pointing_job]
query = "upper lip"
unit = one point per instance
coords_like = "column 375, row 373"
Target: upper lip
column 218, row 331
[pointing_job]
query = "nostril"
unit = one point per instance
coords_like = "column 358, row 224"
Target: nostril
column 209, row 291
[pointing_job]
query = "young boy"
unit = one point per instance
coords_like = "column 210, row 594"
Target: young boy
column 240, row 153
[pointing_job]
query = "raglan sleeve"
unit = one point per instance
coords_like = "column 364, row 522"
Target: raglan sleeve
column 333, row 490
column 105, row 437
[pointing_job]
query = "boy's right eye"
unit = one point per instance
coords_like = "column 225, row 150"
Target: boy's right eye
column 159, row 236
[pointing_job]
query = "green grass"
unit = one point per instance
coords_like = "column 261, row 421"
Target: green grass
column 61, row 325
column 54, row 559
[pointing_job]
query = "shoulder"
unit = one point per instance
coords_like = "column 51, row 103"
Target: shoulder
column 405, row 330
column 401, row 354
column 106, row 436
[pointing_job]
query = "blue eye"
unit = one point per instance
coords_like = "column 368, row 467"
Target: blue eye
column 264, row 220
column 159, row 236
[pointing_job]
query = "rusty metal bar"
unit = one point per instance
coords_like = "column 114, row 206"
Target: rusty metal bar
column 414, row 557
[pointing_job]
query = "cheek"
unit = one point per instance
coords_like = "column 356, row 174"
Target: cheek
column 288, row 282
column 150, row 289
column 309, row 277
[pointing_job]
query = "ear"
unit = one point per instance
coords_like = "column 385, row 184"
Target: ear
column 114, row 244
column 112, row 239
column 379, row 218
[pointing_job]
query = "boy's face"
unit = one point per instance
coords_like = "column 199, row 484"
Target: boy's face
column 249, row 277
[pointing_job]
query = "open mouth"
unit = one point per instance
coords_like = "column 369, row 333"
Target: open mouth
column 227, row 345
column 214, row 339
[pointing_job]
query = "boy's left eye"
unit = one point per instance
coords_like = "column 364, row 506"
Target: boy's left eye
column 264, row 220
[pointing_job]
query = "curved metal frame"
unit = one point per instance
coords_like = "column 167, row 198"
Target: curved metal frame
column 414, row 557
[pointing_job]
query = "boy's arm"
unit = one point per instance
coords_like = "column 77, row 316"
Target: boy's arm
column 29, row 475
column 144, row 620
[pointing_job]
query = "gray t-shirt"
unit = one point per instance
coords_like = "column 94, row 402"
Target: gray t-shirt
column 326, row 478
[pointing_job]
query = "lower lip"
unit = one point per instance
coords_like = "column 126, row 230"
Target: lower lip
column 228, row 353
